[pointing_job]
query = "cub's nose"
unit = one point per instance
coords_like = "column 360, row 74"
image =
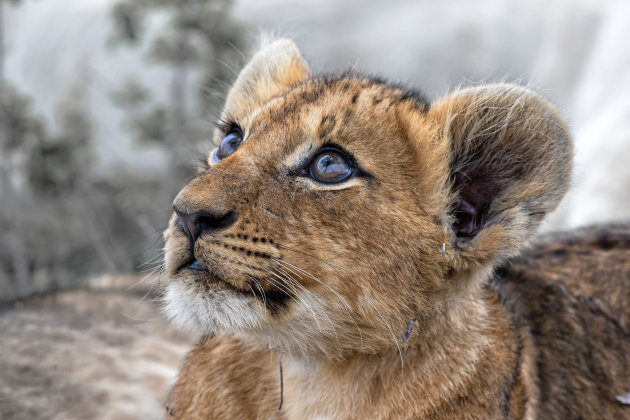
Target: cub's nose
column 195, row 224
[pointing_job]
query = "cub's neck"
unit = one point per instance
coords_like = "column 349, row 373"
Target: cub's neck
column 461, row 363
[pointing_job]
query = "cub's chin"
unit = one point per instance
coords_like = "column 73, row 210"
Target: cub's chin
column 208, row 307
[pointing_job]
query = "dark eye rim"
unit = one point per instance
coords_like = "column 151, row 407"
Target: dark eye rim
column 229, row 128
column 355, row 170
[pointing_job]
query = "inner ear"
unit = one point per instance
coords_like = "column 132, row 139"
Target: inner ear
column 474, row 191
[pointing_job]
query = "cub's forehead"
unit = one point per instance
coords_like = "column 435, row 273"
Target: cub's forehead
column 339, row 110
column 341, row 97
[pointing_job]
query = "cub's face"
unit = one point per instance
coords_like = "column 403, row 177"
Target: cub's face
column 322, row 218
column 311, row 214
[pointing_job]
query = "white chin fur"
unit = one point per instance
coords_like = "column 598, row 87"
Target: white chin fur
column 193, row 311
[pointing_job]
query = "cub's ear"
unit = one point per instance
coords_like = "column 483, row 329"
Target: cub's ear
column 275, row 67
column 510, row 164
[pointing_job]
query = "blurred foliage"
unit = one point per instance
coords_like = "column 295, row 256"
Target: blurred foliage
column 58, row 162
column 43, row 245
column 20, row 127
column 61, row 220
column 199, row 42
column 148, row 125
column 62, row 217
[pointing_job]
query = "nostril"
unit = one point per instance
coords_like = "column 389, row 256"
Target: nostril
column 194, row 224
column 206, row 222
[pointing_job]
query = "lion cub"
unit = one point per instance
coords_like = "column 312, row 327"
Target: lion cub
column 337, row 252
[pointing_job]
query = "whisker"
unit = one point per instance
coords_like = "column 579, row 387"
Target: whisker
column 296, row 270
column 393, row 336
column 292, row 282
column 159, row 256
column 298, row 284
column 253, row 293
column 312, row 277
column 288, row 293
column 292, row 292
column 262, row 291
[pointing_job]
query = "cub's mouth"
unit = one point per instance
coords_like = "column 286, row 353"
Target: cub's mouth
column 194, row 265
column 218, row 266
column 200, row 273
column 252, row 288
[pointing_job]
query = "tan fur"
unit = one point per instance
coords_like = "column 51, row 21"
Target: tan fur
column 345, row 267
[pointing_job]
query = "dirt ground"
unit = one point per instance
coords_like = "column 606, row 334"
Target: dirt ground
column 103, row 352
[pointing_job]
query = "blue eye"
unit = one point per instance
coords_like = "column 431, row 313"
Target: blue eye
column 228, row 145
column 330, row 166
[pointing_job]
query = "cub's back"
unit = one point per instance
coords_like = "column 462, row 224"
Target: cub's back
column 591, row 263
column 570, row 298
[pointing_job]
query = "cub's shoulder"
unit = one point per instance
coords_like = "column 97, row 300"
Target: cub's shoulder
column 225, row 377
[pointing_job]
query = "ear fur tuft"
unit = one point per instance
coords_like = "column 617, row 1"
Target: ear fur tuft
column 277, row 66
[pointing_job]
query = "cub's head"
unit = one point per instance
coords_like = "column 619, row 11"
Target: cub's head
column 334, row 210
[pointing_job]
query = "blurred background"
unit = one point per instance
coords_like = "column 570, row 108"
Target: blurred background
column 107, row 104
